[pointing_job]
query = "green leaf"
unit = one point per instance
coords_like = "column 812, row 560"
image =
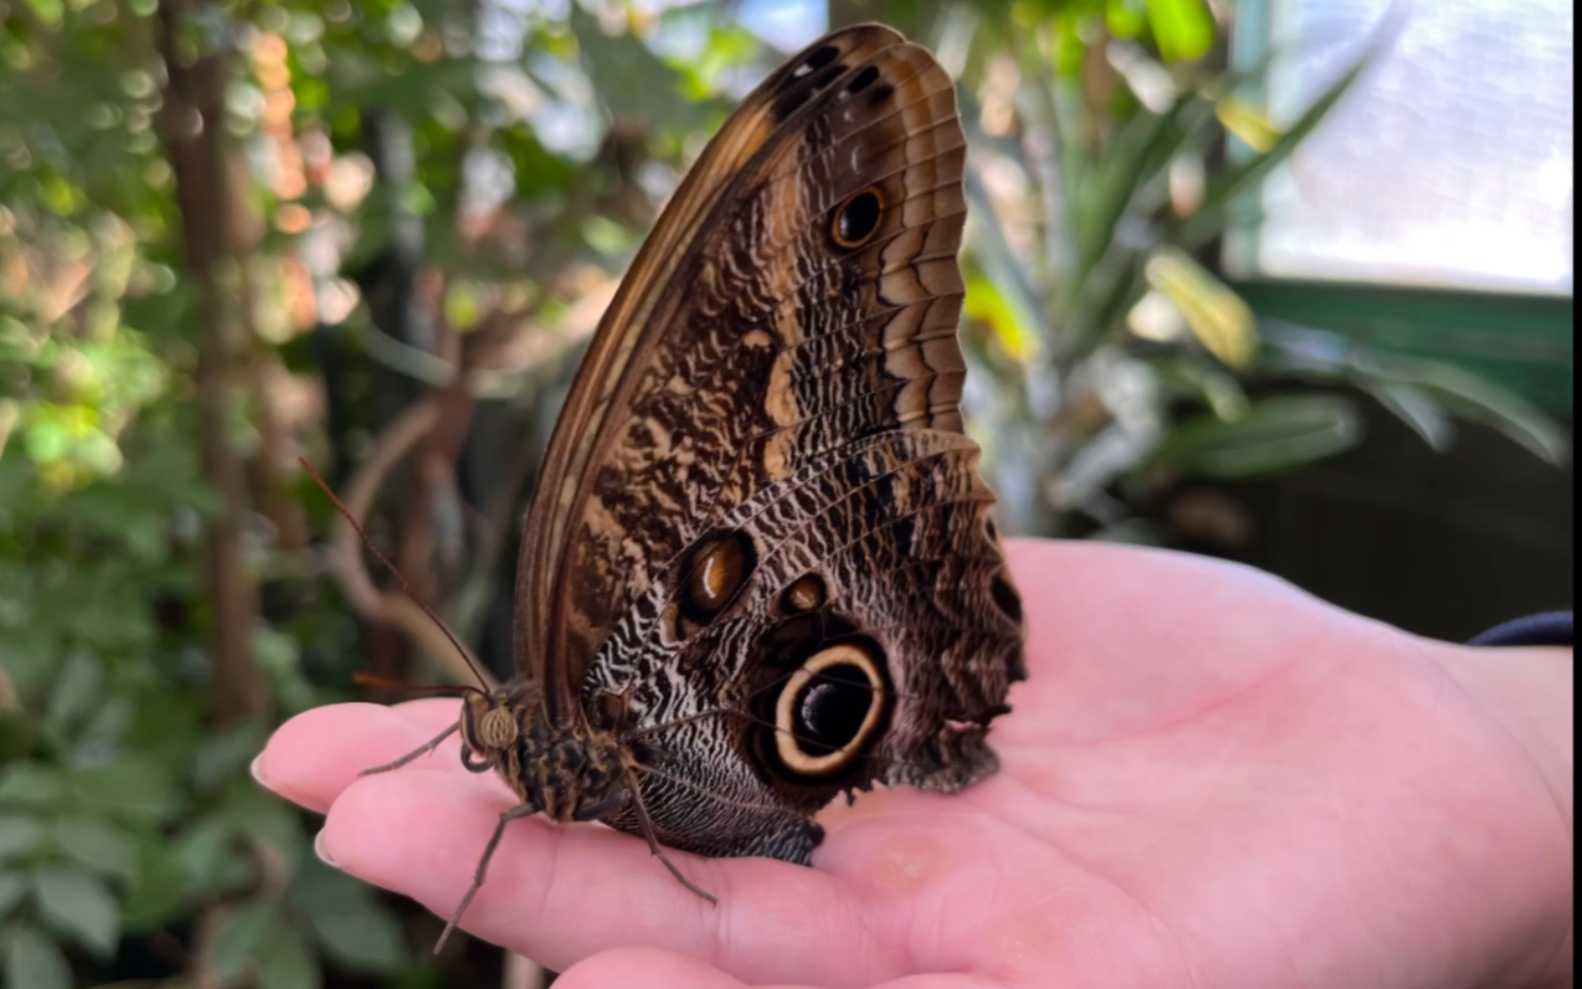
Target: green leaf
column 157, row 898
column 240, row 942
column 1144, row 147
column 13, row 886
column 34, row 962
column 1478, row 399
column 1249, row 123
column 77, row 904
column 49, row 12
column 133, row 787
column 1184, row 29
column 289, row 965
column 1275, row 435
column 19, row 835
column 226, row 754
column 1217, row 198
column 267, row 820
column 30, row 784
column 349, row 921
column 99, row 845
column 78, row 689
column 1414, row 406
column 1219, row 318
column 1124, row 18
column 1004, row 296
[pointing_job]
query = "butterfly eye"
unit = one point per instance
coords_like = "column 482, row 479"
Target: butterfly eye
column 857, row 218
column 497, row 728
column 828, row 709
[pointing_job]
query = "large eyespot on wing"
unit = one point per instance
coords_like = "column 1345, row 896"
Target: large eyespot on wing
column 829, row 711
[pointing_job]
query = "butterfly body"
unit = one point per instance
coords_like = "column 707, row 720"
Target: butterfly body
column 759, row 570
column 567, row 772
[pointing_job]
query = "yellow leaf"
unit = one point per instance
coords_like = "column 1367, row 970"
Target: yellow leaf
column 1217, row 316
column 1249, row 123
column 988, row 305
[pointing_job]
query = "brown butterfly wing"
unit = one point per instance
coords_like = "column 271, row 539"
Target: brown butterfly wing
column 760, row 464
column 737, row 331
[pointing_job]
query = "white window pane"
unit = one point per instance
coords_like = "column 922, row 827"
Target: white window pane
column 1449, row 164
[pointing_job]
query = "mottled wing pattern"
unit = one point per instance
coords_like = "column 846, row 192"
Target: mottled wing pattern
column 884, row 547
column 761, row 552
column 746, row 343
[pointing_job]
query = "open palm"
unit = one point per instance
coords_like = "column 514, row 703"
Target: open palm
column 1209, row 779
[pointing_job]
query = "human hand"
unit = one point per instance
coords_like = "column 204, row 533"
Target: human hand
column 1210, row 779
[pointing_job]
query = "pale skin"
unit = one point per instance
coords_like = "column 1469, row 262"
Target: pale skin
column 1210, row 781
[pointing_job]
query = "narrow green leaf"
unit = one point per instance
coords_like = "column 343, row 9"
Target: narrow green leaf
column 1414, row 407
column 1275, row 435
column 33, row 961
column 1325, row 356
column 1209, row 218
column 1219, row 318
column 1144, row 147
column 77, row 904
column 1249, row 123
column 99, row 845
column 1478, row 399
column 19, row 835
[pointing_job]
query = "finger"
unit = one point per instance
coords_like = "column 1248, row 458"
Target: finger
column 644, row 968
column 560, row 893
column 314, row 756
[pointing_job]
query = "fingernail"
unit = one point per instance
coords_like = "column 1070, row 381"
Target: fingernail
column 319, row 850
column 256, row 768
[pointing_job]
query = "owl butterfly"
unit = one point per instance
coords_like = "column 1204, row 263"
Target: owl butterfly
column 759, row 569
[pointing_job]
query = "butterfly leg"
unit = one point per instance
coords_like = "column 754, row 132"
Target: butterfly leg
column 423, row 750
column 653, row 842
column 506, row 817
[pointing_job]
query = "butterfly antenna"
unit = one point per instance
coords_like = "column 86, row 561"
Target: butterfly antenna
column 376, row 682
column 357, row 528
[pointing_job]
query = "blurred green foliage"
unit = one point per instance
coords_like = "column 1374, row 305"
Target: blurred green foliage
column 504, row 161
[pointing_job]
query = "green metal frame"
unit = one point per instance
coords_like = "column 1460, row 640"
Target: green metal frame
column 1523, row 342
